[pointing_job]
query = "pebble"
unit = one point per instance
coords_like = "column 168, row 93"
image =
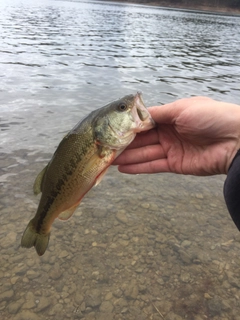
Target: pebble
column 123, row 243
column 32, row 274
column 108, row 296
column 185, row 257
column 55, row 273
column 63, row 254
column 43, row 304
column 121, row 302
column 132, row 291
column 15, row 306
column 93, row 298
column 215, row 306
column 78, row 298
column 28, row 315
column 106, row 306
column 6, row 295
column 56, row 309
column 122, row 217
column 30, row 301
column 186, row 243
column 185, row 277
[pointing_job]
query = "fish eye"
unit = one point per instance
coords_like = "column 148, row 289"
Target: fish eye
column 122, row 107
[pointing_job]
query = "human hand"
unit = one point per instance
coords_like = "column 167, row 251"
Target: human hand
column 197, row 136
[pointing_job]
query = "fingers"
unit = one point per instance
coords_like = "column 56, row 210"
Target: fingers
column 155, row 166
column 141, row 155
column 144, row 139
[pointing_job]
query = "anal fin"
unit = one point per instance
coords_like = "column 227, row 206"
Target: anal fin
column 65, row 215
column 100, row 177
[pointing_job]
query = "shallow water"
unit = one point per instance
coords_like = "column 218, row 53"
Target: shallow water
column 139, row 247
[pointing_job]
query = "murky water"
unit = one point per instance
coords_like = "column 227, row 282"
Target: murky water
column 139, row 247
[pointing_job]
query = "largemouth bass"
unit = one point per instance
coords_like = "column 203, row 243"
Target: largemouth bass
column 80, row 161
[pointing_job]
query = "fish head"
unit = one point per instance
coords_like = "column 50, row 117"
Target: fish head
column 118, row 123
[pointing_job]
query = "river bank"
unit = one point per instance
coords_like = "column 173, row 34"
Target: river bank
column 180, row 6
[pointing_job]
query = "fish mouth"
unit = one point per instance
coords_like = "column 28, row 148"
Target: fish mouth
column 141, row 115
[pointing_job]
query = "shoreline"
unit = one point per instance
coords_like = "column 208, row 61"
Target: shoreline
column 165, row 5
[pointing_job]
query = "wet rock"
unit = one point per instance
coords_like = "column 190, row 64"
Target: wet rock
column 225, row 306
column 43, row 304
column 93, row 298
column 163, row 306
column 117, row 293
column 123, row 243
column 108, row 296
column 27, row 315
column 15, row 306
column 78, row 298
column 234, row 281
column 32, row 274
column 55, row 273
column 185, row 257
column 122, row 217
column 6, row 295
column 185, row 277
column 56, row 309
column 160, row 238
column 132, row 291
column 90, row 316
column 121, row 302
column 21, row 270
column 145, row 205
column 14, row 279
column 106, row 307
column 215, row 306
column 78, row 315
column 186, row 243
column 63, row 254
column 83, row 306
column 105, row 316
column 30, row 301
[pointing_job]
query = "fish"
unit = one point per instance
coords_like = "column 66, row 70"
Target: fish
column 80, row 162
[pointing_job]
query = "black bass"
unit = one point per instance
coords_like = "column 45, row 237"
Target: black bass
column 80, row 161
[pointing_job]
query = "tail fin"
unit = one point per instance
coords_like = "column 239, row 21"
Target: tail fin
column 31, row 238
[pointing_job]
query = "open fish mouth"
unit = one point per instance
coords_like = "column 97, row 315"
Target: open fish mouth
column 141, row 115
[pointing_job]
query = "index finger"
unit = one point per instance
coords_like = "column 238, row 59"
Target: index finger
column 145, row 138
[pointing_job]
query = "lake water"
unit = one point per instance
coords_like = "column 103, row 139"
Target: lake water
column 139, row 247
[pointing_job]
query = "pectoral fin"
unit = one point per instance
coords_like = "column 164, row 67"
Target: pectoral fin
column 101, row 153
column 37, row 187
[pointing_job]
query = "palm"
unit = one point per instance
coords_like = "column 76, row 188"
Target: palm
column 195, row 136
column 187, row 154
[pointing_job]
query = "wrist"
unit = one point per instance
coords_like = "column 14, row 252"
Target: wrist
column 234, row 110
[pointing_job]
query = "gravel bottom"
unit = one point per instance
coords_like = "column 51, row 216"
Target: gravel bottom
column 138, row 247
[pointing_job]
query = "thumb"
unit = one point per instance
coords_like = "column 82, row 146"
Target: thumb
column 168, row 113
